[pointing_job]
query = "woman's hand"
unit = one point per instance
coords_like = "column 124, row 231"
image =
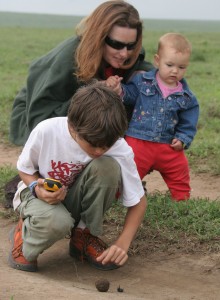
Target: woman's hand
column 49, row 197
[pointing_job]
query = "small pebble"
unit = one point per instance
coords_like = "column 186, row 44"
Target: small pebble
column 120, row 290
column 102, row 285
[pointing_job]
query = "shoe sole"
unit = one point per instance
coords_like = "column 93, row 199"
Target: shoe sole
column 11, row 261
column 83, row 257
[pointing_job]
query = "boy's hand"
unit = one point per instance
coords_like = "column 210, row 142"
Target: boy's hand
column 113, row 254
column 49, row 197
column 177, row 145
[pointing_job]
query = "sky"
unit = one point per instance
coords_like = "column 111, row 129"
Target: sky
column 148, row 9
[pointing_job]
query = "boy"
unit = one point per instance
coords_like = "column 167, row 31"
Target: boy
column 165, row 115
column 78, row 150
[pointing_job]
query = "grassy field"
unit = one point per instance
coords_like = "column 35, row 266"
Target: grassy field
column 57, row 21
column 25, row 37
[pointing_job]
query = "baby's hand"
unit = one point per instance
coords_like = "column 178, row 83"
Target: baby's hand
column 114, row 82
column 177, row 145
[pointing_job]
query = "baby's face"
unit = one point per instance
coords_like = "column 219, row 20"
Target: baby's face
column 172, row 65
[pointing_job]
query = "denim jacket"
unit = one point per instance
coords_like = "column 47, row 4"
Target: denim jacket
column 157, row 119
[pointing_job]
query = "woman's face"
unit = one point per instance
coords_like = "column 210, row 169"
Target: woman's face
column 117, row 57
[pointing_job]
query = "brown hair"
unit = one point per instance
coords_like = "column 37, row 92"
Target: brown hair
column 93, row 31
column 97, row 115
column 176, row 41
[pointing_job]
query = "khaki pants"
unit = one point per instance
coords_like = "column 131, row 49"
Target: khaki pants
column 88, row 199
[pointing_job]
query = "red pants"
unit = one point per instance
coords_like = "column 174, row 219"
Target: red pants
column 172, row 165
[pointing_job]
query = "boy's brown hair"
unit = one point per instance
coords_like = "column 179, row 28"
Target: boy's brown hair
column 97, row 115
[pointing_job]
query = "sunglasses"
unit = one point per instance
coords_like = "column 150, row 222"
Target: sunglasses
column 119, row 45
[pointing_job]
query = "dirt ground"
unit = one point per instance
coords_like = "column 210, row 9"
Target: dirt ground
column 156, row 276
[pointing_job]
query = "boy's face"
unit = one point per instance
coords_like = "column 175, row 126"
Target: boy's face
column 172, row 65
column 93, row 152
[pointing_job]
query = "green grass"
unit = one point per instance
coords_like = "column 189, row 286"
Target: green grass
column 18, row 47
column 187, row 226
column 28, row 20
column 194, row 217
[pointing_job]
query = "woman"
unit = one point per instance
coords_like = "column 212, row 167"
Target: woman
column 108, row 42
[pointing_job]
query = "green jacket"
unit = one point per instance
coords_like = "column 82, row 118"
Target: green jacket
column 50, row 86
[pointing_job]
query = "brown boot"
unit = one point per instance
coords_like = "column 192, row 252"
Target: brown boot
column 85, row 246
column 16, row 258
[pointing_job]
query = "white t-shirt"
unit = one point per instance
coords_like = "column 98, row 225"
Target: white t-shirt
column 52, row 151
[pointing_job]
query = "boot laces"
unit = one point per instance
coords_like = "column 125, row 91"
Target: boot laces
column 18, row 250
column 96, row 243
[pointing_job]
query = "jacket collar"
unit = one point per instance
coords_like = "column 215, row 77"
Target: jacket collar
column 151, row 75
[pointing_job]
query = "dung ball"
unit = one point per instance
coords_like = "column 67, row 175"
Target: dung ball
column 102, row 285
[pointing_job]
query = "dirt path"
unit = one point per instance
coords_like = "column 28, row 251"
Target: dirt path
column 203, row 185
column 156, row 277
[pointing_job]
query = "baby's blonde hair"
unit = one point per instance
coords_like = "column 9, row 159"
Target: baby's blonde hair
column 176, row 41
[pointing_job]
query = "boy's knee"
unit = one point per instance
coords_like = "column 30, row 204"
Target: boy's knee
column 57, row 223
column 107, row 169
column 61, row 223
column 42, row 231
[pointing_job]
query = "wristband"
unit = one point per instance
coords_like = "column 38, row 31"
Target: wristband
column 32, row 186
